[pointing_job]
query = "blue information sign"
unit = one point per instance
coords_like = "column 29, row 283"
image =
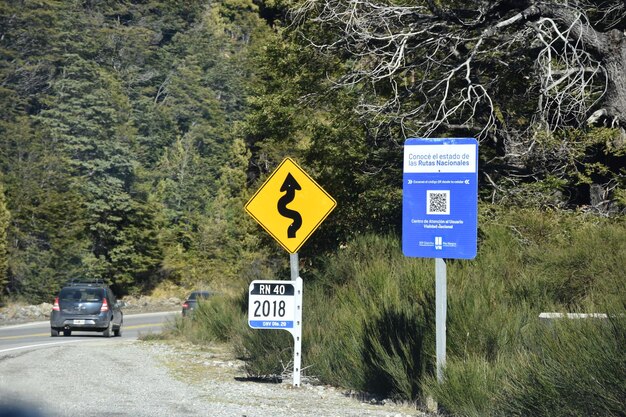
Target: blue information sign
column 440, row 198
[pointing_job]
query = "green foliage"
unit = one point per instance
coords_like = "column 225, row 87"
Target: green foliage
column 219, row 317
column 227, row 242
column 46, row 231
column 89, row 117
column 470, row 384
column 369, row 319
column 531, row 262
column 200, row 180
column 215, row 320
column 577, row 368
column 368, row 323
column 577, row 154
column 117, row 123
column 267, row 355
column 295, row 112
column 395, row 350
column 565, row 368
column 564, row 168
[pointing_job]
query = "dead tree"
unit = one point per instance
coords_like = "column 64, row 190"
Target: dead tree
column 443, row 57
column 436, row 67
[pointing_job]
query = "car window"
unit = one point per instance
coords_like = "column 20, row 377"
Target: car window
column 84, row 295
column 111, row 297
column 92, row 295
column 199, row 294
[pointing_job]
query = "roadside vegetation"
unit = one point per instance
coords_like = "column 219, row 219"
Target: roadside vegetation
column 369, row 320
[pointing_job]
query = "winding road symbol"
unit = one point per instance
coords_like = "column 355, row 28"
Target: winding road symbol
column 290, row 205
column 289, row 187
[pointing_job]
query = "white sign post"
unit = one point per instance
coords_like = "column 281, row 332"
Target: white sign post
column 278, row 305
column 297, row 329
column 440, row 315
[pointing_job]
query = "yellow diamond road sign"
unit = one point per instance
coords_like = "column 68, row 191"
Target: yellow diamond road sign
column 290, row 205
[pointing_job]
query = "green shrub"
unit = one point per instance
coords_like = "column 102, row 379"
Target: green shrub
column 396, row 347
column 470, row 386
column 268, row 354
column 219, row 318
column 368, row 321
column 371, row 327
column 577, row 368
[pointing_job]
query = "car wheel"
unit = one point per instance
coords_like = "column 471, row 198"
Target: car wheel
column 67, row 332
column 109, row 330
column 118, row 331
column 54, row 333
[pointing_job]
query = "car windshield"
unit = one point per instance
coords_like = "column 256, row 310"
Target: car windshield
column 83, row 295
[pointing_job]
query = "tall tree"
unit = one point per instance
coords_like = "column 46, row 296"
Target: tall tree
column 46, row 233
column 449, row 56
column 296, row 111
column 89, row 117
column 204, row 97
column 226, row 241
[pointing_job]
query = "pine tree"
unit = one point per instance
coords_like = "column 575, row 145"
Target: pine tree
column 228, row 240
column 89, row 117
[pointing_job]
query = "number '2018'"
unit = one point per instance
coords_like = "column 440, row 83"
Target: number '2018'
column 269, row 308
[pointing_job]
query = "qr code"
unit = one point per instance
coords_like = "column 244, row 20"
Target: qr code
column 437, row 201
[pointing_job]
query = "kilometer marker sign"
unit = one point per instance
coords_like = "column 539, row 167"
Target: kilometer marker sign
column 273, row 304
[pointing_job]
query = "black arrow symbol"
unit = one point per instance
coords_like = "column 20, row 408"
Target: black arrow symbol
column 289, row 187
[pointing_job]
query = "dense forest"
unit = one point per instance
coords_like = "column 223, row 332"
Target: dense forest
column 132, row 132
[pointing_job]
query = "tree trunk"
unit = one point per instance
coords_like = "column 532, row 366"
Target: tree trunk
column 609, row 48
column 615, row 65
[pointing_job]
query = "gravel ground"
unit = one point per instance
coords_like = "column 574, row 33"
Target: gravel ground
column 135, row 378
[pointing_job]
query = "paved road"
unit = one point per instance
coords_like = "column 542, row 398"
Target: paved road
column 89, row 375
column 37, row 334
column 37, row 367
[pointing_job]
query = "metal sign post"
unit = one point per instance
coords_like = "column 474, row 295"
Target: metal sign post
column 440, row 316
column 440, row 212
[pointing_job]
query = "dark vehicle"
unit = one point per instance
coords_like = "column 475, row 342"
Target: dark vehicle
column 86, row 306
column 192, row 301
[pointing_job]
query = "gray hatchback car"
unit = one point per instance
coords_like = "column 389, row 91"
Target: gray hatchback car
column 86, row 306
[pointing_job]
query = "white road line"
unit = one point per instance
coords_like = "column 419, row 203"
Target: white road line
column 17, row 326
column 35, row 323
column 42, row 344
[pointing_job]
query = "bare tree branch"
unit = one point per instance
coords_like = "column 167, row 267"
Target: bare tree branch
column 428, row 66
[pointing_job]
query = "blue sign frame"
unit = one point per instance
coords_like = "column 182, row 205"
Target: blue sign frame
column 440, row 198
